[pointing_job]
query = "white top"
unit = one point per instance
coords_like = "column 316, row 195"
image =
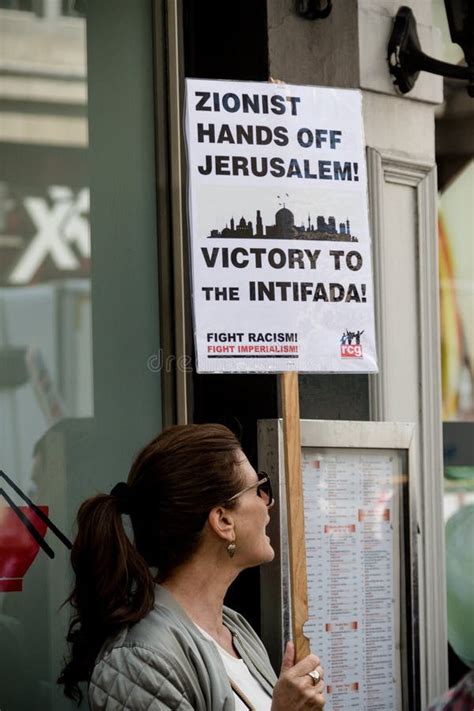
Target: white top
column 240, row 674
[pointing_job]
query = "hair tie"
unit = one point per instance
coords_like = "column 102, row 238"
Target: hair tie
column 123, row 494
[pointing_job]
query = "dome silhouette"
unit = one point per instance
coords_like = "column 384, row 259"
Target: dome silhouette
column 284, row 220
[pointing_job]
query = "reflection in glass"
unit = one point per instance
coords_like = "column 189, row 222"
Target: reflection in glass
column 456, row 259
column 456, row 268
column 45, row 326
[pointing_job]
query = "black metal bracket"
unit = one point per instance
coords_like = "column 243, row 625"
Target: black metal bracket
column 406, row 58
column 313, row 9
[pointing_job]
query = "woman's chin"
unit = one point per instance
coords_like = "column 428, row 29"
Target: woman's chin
column 271, row 553
column 265, row 554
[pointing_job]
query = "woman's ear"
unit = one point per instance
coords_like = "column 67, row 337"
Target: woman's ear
column 221, row 522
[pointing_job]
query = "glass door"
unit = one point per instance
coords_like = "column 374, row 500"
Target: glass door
column 79, row 313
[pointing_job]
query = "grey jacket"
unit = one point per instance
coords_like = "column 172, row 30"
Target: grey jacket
column 164, row 662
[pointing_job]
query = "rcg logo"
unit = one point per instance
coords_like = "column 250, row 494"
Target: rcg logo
column 350, row 344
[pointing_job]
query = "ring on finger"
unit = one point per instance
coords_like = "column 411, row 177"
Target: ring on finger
column 315, row 677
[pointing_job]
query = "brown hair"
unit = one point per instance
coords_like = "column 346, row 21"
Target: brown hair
column 173, row 484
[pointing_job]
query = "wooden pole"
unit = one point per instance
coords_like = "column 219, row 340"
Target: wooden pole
column 295, row 509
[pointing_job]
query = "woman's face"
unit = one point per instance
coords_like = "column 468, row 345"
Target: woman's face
column 251, row 516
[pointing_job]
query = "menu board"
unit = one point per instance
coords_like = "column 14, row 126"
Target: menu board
column 361, row 560
column 351, row 522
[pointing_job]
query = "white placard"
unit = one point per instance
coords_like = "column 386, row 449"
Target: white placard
column 351, row 515
column 278, row 219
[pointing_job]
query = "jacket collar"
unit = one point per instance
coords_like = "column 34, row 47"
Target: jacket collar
column 164, row 598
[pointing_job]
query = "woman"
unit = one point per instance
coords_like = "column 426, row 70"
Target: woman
column 198, row 511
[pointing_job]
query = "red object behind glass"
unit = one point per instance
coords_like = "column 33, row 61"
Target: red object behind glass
column 18, row 548
column 22, row 532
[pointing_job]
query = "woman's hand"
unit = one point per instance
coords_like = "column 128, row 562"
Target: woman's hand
column 295, row 689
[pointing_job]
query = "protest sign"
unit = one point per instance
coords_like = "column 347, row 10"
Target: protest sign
column 280, row 247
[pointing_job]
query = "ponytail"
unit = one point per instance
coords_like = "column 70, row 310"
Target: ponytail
column 113, row 588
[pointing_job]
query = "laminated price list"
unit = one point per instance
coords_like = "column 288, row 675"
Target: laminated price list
column 350, row 508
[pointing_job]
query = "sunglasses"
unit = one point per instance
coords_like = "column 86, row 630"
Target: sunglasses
column 264, row 490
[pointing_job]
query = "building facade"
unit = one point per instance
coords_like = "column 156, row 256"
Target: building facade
column 96, row 349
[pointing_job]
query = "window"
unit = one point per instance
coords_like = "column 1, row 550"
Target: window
column 78, row 307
